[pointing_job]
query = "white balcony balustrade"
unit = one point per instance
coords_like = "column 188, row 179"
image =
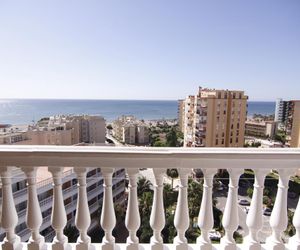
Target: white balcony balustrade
column 262, row 161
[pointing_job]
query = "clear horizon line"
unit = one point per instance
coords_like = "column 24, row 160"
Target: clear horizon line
column 109, row 99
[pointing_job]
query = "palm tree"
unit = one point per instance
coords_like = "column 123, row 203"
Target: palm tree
column 143, row 186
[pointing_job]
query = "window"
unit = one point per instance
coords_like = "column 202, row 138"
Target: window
column 237, row 125
column 231, row 126
column 217, row 141
column 230, row 140
column 224, row 112
column 237, row 140
column 223, row 134
column 225, row 95
column 233, row 95
column 219, row 95
column 222, row 141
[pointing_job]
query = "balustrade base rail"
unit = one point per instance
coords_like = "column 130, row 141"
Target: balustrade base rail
column 145, row 246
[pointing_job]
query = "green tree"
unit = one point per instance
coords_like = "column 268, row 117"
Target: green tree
column 250, row 192
column 195, row 196
column 170, row 197
column 290, row 231
column 145, row 204
column 173, row 173
column 159, row 144
column 172, row 138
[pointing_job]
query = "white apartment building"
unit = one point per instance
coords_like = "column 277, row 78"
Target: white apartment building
column 129, row 130
column 69, row 186
column 281, row 110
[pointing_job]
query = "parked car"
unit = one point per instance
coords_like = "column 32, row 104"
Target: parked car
column 214, row 235
column 244, row 202
column 268, row 212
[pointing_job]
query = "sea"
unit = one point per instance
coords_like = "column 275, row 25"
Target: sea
column 28, row 111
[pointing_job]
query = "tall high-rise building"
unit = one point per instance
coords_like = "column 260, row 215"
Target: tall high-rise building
column 293, row 124
column 287, row 113
column 215, row 118
column 281, row 110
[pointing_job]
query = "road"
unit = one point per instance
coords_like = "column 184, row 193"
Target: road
column 266, row 229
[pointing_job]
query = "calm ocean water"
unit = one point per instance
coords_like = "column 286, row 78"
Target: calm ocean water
column 24, row 111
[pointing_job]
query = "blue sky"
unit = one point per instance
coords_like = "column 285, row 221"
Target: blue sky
column 158, row 49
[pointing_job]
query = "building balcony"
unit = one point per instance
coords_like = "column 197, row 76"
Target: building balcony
column 235, row 160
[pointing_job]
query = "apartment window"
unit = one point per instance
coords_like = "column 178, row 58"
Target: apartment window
column 231, row 126
column 231, row 133
column 238, row 125
column 237, row 140
column 233, row 95
column 219, row 95
column 223, row 134
column 217, row 135
column 218, row 119
column 217, row 141
column 224, row 112
column 237, row 133
column 222, row 141
column 230, row 140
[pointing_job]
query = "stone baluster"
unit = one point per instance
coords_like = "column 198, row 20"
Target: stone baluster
column 279, row 220
column 181, row 219
column 231, row 217
column 58, row 217
column 294, row 242
column 206, row 217
column 34, row 215
column 132, row 220
column 82, row 219
column 108, row 217
column 157, row 217
column 9, row 216
column 255, row 216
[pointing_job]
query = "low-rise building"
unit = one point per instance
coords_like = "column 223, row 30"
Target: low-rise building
column 59, row 130
column 129, row 130
column 260, row 128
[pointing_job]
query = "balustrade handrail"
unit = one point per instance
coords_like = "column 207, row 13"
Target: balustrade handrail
column 132, row 157
column 235, row 160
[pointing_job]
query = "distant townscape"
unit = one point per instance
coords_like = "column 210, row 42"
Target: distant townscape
column 208, row 118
